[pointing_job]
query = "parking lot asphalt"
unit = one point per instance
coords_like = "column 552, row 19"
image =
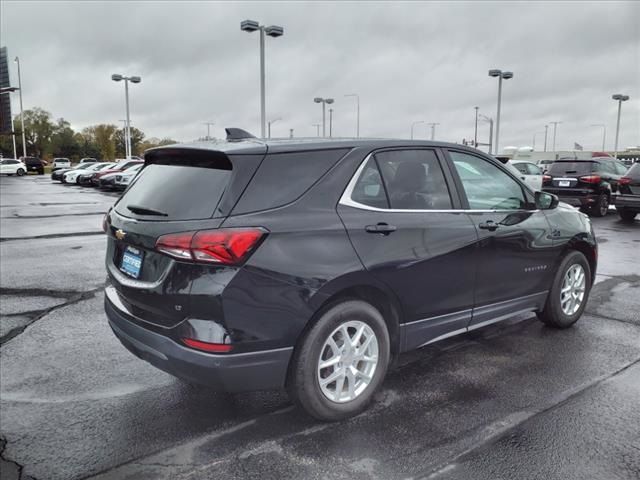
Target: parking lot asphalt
column 513, row 400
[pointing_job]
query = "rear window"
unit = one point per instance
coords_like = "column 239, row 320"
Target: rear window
column 284, row 177
column 578, row 168
column 634, row 171
column 175, row 192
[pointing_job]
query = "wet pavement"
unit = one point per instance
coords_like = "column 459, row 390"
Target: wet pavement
column 513, row 400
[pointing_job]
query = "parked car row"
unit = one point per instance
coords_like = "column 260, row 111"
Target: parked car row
column 105, row 175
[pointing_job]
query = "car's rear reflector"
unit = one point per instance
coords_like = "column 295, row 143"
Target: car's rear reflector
column 226, row 246
column 206, row 346
column 590, row 178
column 546, row 178
column 624, row 181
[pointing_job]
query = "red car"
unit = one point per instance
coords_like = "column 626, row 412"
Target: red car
column 123, row 165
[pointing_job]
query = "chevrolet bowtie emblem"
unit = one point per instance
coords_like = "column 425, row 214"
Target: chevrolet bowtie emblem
column 120, row 234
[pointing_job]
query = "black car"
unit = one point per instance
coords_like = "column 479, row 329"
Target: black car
column 86, row 178
column 310, row 265
column 34, row 164
column 587, row 184
column 627, row 200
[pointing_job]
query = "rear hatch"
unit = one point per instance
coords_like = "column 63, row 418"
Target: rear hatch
column 572, row 178
column 630, row 183
column 178, row 190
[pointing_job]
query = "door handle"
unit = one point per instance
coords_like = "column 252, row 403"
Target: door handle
column 489, row 225
column 382, row 228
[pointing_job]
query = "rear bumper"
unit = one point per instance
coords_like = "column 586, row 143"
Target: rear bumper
column 631, row 202
column 581, row 201
column 261, row 370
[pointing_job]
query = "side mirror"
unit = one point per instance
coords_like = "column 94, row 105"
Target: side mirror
column 546, row 201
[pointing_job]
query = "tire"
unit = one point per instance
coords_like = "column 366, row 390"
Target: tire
column 601, row 207
column 304, row 373
column 627, row 215
column 20, row 172
column 556, row 312
column 78, row 181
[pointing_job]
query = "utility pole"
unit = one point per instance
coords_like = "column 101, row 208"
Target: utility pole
column 546, row 129
column 433, row 130
column 317, row 125
column 555, row 127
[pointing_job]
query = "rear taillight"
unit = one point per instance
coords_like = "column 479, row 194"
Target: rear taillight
column 624, row 181
column 546, row 178
column 590, row 179
column 227, row 246
column 206, row 346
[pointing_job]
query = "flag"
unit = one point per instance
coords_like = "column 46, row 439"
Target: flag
column 577, row 146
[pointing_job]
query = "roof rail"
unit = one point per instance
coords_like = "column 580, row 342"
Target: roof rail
column 237, row 134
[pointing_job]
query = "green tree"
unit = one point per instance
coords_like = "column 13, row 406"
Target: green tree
column 38, row 129
column 137, row 137
column 103, row 136
column 64, row 142
column 153, row 142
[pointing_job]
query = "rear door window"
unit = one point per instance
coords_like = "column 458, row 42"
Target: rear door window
column 414, row 180
column 284, row 177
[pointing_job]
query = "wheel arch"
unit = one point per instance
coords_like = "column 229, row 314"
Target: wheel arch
column 588, row 248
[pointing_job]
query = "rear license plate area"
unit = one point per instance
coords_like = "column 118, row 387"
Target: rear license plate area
column 131, row 263
column 564, row 183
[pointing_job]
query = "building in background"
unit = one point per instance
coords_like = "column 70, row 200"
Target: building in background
column 5, row 97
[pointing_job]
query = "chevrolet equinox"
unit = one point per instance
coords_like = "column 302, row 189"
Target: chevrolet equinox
column 311, row 264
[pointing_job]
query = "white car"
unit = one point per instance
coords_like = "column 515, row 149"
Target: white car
column 73, row 176
column 11, row 166
column 528, row 172
column 123, row 179
column 61, row 163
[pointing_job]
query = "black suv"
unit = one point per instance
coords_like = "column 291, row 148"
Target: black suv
column 34, row 164
column 587, row 184
column 628, row 199
column 310, row 265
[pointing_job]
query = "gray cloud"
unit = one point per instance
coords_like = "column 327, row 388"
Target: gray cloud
column 407, row 60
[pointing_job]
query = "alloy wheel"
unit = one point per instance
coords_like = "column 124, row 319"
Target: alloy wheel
column 348, row 361
column 573, row 289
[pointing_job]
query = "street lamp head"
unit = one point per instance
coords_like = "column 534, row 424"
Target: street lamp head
column 116, row 77
column 274, row 31
column 495, row 73
column 507, row 75
column 135, row 79
column 317, row 100
column 17, row 60
column 329, row 100
column 249, row 26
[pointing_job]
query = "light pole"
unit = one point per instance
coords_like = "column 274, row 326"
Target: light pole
column 555, row 127
column 317, row 125
column 116, row 77
column 324, row 102
column 330, row 122
column 620, row 98
column 433, row 130
column 209, row 125
column 506, row 76
column 272, row 31
column 291, row 133
column 534, row 140
column 604, row 132
column 413, row 125
column 24, row 141
column 546, row 130
column 272, row 121
column 127, row 153
column 490, row 120
column 357, row 112
column 475, row 133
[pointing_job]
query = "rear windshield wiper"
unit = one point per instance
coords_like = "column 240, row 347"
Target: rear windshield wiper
column 146, row 211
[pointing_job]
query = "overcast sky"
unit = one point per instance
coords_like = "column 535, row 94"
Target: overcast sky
column 408, row 61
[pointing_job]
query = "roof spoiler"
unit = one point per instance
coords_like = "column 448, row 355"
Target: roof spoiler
column 237, row 134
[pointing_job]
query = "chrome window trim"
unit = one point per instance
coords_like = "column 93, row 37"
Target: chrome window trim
column 346, row 199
